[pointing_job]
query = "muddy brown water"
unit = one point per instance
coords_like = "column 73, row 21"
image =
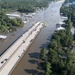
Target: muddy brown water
column 29, row 64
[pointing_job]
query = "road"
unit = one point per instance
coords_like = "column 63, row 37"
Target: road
column 13, row 55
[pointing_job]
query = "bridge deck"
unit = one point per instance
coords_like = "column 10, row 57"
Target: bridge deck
column 12, row 56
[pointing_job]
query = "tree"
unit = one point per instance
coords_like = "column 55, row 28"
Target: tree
column 48, row 68
column 17, row 22
column 52, row 56
column 7, row 24
column 69, row 24
column 53, row 44
column 23, row 5
column 43, row 54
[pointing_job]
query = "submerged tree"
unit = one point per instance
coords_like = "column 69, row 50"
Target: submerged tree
column 43, row 54
column 48, row 69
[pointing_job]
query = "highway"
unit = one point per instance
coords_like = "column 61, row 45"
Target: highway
column 12, row 56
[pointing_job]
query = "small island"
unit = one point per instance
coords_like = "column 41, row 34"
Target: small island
column 23, row 6
column 7, row 24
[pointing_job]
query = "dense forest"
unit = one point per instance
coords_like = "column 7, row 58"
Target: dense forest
column 68, row 9
column 60, row 57
column 23, row 5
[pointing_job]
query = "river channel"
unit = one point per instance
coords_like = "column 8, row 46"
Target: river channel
column 29, row 64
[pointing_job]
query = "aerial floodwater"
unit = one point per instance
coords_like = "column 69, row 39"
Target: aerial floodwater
column 29, row 64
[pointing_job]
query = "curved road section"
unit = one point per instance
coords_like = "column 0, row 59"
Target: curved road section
column 13, row 55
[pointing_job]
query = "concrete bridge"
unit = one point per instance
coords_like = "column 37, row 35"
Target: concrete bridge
column 12, row 56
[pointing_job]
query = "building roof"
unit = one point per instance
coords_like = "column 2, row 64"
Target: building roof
column 14, row 15
column 25, row 21
column 61, row 23
column 64, row 17
column 3, row 37
column 72, row 30
column 60, row 28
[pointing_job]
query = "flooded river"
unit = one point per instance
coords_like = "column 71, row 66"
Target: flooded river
column 29, row 64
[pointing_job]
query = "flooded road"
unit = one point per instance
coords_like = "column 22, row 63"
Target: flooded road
column 29, row 64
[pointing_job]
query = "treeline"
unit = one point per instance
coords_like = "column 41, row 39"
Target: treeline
column 68, row 10
column 60, row 58
column 23, row 5
column 70, row 1
column 7, row 24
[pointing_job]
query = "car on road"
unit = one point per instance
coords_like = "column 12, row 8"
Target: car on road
column 31, row 40
column 23, row 41
column 2, row 62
